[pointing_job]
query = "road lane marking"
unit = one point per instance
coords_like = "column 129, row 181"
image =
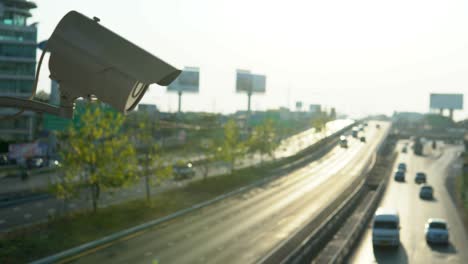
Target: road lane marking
column 27, row 216
column 16, row 209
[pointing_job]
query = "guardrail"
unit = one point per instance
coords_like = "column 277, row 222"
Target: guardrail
column 333, row 214
column 305, row 243
column 70, row 253
column 345, row 248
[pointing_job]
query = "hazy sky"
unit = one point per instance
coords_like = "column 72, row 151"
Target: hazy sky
column 360, row 56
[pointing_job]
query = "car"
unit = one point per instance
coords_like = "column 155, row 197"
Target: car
column 343, row 142
column 183, row 171
column 35, row 162
column 420, row 177
column 402, row 166
column 4, row 160
column 436, row 231
column 426, row 192
column 404, row 150
column 363, row 139
column 377, row 126
column 386, row 228
column 399, row 176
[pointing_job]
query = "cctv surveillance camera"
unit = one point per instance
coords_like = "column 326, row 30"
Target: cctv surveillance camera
column 87, row 60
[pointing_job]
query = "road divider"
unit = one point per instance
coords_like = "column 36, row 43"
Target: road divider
column 305, row 243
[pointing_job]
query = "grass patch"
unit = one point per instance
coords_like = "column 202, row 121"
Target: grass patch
column 66, row 232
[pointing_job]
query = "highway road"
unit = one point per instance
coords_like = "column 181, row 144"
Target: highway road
column 39, row 210
column 242, row 229
column 440, row 166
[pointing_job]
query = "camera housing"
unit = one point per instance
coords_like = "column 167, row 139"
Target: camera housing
column 89, row 60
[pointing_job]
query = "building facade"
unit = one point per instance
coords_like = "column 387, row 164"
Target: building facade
column 18, row 42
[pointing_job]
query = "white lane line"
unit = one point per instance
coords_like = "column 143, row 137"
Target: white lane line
column 27, row 216
column 16, row 209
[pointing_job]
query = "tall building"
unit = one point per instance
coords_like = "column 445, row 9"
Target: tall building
column 18, row 42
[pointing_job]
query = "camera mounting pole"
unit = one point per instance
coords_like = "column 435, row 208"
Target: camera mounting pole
column 36, row 106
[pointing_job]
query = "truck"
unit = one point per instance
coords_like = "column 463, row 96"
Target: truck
column 343, row 142
column 417, row 147
column 354, row 132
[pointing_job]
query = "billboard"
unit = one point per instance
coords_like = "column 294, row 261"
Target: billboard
column 446, row 101
column 315, row 108
column 248, row 82
column 188, row 81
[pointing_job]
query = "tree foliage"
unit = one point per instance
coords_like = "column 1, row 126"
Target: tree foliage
column 96, row 155
column 263, row 139
column 231, row 148
column 153, row 169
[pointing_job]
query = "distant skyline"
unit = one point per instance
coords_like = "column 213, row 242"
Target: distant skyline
column 362, row 57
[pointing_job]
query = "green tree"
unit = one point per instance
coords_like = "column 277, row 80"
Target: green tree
column 320, row 123
column 231, row 148
column 154, row 170
column 96, row 154
column 263, row 140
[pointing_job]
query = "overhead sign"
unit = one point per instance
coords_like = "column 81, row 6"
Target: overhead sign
column 188, row 81
column 446, row 101
column 250, row 83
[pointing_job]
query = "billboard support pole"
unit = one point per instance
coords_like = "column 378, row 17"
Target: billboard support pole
column 180, row 101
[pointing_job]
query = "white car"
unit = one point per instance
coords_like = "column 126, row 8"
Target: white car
column 436, row 231
column 386, row 228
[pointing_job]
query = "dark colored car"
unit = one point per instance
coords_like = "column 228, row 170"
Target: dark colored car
column 33, row 163
column 402, row 167
column 363, row 139
column 399, row 176
column 420, row 177
column 183, row 171
column 426, row 192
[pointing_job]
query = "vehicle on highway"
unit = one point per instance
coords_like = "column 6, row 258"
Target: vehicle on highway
column 402, row 166
column 386, row 228
column 404, row 150
column 420, row 177
column 377, row 126
column 362, row 139
column 436, row 231
column 426, row 192
column 343, row 142
column 399, row 176
column 183, row 171
column 35, row 162
column 354, row 132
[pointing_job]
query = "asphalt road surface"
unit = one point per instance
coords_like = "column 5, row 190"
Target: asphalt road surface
column 242, row 229
column 414, row 212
